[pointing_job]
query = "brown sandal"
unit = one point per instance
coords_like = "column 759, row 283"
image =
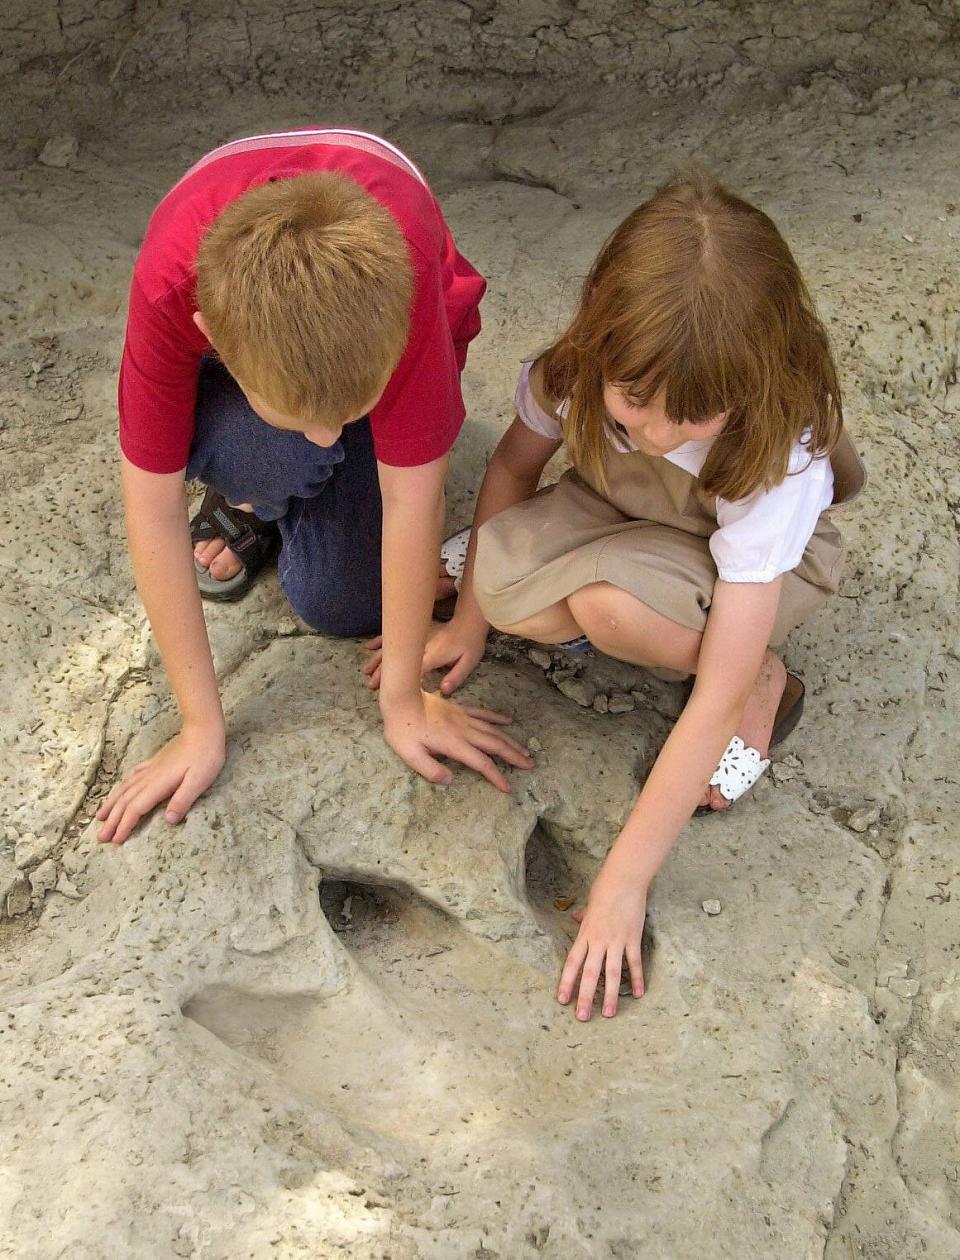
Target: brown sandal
column 253, row 542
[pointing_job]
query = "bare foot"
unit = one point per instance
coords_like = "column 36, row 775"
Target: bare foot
column 756, row 725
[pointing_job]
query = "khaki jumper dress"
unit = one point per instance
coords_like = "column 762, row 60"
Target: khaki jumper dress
column 648, row 535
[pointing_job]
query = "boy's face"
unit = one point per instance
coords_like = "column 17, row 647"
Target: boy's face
column 319, row 435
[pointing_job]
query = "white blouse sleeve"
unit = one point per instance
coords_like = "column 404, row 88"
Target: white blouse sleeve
column 530, row 411
column 766, row 534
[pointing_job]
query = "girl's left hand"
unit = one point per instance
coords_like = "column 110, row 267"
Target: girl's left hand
column 611, row 928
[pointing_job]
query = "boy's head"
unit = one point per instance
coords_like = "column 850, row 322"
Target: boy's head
column 304, row 288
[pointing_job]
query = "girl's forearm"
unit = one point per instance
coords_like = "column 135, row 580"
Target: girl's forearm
column 501, row 489
column 162, row 559
column 674, row 786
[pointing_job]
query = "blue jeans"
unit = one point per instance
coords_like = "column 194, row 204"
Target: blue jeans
column 326, row 502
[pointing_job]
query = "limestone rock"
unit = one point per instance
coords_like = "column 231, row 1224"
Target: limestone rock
column 59, row 151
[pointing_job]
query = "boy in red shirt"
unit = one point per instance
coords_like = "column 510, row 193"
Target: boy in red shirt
column 299, row 318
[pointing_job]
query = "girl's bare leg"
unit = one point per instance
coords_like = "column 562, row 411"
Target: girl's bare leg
column 622, row 626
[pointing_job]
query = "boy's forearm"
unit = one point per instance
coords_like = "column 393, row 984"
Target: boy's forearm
column 162, row 560
column 412, row 526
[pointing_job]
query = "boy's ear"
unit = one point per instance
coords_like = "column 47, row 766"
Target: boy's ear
column 201, row 323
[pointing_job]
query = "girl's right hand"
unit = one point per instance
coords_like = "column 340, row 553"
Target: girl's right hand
column 450, row 643
column 177, row 774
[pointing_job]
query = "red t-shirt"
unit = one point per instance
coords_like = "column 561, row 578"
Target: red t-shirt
column 421, row 411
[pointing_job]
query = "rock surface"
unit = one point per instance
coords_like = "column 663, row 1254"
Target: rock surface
column 317, row 1019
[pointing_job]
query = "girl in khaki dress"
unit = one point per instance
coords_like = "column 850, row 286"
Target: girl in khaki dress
column 698, row 399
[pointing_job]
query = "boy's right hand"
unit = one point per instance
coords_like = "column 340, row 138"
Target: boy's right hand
column 177, row 774
column 425, row 727
column 450, row 643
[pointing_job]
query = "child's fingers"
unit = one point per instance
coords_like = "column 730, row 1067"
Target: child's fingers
column 491, row 741
column 478, row 760
column 571, row 969
column 374, row 681
column 488, row 715
column 182, row 799
column 374, row 644
column 372, row 663
column 589, row 979
column 611, row 981
column 456, row 677
column 431, row 769
column 635, row 963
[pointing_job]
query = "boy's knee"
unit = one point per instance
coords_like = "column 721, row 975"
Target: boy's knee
column 338, row 618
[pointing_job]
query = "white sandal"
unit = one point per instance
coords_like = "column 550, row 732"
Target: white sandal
column 740, row 766
column 453, row 553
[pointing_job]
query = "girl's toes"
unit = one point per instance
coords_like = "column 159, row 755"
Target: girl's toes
column 705, row 799
column 718, row 801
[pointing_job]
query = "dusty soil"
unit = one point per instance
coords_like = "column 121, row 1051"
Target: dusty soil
column 317, row 1019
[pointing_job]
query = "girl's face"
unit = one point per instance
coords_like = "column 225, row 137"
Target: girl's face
column 650, row 428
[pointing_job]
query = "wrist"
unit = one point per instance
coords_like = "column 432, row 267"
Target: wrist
column 394, row 700
column 211, row 726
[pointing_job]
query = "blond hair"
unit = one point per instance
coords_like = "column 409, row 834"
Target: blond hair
column 697, row 294
column 305, row 286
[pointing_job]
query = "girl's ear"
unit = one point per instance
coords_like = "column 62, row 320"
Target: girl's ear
column 201, row 323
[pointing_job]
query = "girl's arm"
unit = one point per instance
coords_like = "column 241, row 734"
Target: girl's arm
column 162, row 557
column 732, row 650
column 512, row 476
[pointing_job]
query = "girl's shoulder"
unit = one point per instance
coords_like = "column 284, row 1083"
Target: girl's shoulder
column 535, row 407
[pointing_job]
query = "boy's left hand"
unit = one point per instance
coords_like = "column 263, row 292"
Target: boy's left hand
column 428, row 726
column 611, row 928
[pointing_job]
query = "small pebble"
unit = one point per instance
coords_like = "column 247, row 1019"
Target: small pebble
column 18, row 898
column 540, row 658
column 286, row 626
column 903, row 987
column 711, row 906
column 59, row 151
column 44, row 878
column 534, row 745
column 601, row 702
column 579, row 690
column 620, row 702
column 66, row 889
column 864, row 817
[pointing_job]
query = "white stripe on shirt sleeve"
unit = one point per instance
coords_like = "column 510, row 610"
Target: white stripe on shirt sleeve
column 530, row 411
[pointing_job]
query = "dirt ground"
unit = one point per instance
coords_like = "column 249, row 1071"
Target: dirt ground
column 317, row 1019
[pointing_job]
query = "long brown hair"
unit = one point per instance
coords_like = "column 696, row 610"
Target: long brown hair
column 696, row 293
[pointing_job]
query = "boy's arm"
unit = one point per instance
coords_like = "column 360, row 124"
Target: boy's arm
column 420, row 726
column 162, row 559
column 512, row 476
column 731, row 653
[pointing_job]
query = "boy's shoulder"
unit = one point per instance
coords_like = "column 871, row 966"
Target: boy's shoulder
column 168, row 254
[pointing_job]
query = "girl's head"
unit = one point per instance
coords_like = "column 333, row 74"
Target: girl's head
column 695, row 321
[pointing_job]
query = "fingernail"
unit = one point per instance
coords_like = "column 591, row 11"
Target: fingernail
column 171, row 817
column 583, row 1016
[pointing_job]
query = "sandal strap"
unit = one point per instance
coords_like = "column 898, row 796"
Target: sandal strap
column 241, row 531
column 739, row 769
